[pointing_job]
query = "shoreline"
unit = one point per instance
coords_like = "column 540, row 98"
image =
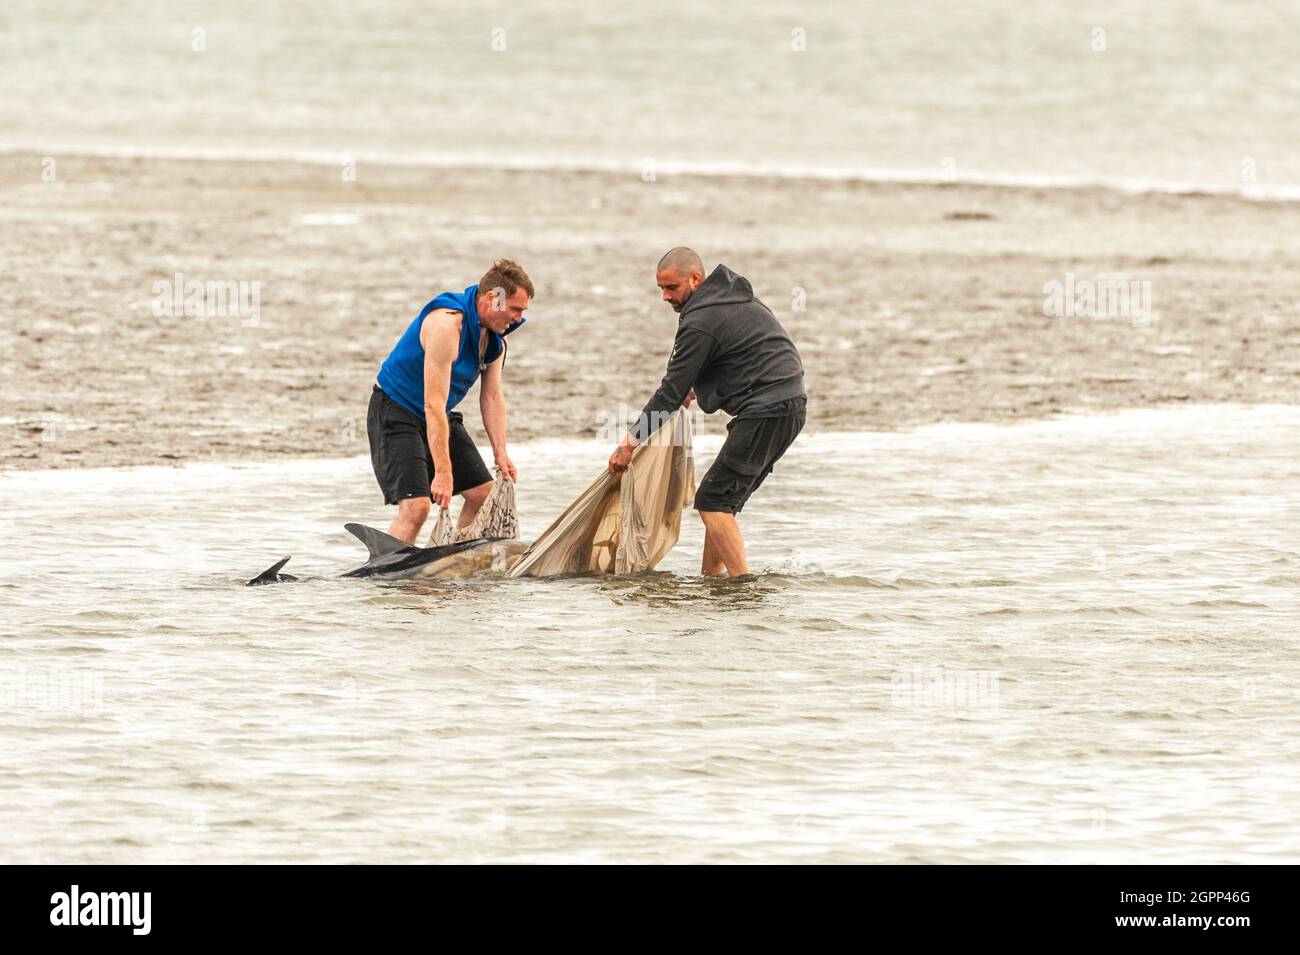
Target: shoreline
column 706, row 441
column 758, row 171
column 911, row 303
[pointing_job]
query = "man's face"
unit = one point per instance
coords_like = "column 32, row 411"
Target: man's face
column 499, row 311
column 677, row 288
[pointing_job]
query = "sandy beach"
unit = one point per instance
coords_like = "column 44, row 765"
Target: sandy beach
column 911, row 304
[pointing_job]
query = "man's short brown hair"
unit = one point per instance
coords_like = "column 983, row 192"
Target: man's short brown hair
column 508, row 275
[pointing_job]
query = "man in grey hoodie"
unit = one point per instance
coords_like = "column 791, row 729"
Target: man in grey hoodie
column 732, row 354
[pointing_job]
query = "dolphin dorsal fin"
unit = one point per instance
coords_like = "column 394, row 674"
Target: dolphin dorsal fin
column 272, row 574
column 377, row 542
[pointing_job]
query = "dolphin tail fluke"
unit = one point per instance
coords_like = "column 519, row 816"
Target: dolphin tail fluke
column 272, row 574
column 377, row 542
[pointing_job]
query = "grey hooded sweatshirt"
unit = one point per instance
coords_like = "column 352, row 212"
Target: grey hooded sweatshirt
column 731, row 349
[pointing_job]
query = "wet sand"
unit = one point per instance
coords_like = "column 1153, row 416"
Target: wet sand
column 920, row 303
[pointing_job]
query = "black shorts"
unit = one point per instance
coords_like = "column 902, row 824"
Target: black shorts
column 752, row 448
column 399, row 451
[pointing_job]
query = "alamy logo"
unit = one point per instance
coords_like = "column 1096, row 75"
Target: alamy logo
column 102, row 908
column 613, row 424
column 195, row 299
column 1098, row 299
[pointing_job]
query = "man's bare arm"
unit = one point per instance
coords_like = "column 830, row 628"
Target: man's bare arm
column 492, row 402
column 440, row 336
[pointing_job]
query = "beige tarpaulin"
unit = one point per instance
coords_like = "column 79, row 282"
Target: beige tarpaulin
column 624, row 523
column 495, row 520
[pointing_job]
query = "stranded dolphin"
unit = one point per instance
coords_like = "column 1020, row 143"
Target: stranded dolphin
column 393, row 559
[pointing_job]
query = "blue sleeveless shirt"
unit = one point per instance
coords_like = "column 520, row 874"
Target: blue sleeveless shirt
column 402, row 374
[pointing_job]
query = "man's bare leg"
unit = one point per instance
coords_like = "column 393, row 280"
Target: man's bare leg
column 474, row 498
column 723, row 545
column 711, row 565
column 411, row 514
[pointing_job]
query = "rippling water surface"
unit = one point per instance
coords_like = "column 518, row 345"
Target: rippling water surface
column 1182, row 93
column 1062, row 641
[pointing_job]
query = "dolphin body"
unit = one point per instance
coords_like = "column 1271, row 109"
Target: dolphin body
column 393, row 559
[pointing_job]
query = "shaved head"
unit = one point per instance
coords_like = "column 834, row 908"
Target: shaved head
column 682, row 259
column 679, row 273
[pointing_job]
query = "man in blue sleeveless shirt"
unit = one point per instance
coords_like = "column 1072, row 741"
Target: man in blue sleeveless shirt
column 419, row 447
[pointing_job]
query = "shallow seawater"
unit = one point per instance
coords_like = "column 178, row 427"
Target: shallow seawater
column 1173, row 93
column 1060, row 641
